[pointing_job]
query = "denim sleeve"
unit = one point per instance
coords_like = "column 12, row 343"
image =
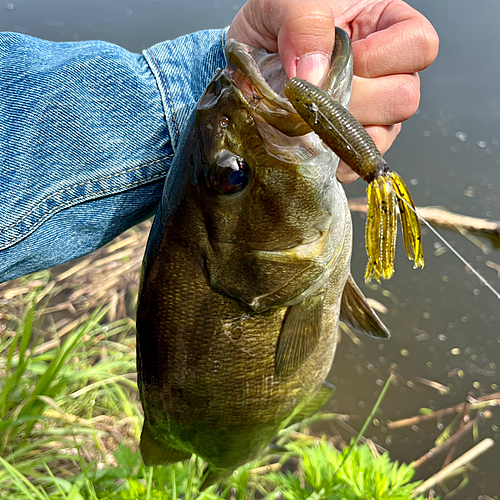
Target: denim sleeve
column 87, row 134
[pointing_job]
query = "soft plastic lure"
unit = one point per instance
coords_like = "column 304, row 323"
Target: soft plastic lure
column 352, row 144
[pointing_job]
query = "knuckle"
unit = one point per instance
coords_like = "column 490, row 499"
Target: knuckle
column 361, row 52
column 408, row 97
column 319, row 15
column 312, row 33
column 427, row 40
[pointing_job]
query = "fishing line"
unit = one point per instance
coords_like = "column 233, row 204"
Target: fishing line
column 467, row 264
column 476, row 273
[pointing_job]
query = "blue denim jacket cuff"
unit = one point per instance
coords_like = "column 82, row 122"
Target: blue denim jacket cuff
column 87, row 135
column 181, row 82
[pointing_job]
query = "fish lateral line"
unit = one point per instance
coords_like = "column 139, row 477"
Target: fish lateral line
column 349, row 140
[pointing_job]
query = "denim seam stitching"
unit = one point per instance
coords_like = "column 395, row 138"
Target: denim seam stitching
column 83, row 184
column 73, row 202
column 167, row 89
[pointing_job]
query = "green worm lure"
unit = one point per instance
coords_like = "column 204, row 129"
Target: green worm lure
column 351, row 143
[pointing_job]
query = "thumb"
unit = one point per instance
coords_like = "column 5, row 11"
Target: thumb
column 306, row 35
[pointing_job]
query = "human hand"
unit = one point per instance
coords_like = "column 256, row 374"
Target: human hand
column 391, row 42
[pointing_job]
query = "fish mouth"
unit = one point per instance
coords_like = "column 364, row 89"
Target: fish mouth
column 261, row 79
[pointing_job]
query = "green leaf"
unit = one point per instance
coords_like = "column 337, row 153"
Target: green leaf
column 127, row 458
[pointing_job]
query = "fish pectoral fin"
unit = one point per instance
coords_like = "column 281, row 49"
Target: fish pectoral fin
column 312, row 404
column 299, row 335
column 358, row 314
column 155, row 452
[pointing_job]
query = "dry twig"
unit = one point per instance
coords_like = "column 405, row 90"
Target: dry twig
column 479, row 403
column 467, row 457
column 442, row 447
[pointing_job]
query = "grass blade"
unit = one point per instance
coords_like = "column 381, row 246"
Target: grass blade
column 367, row 422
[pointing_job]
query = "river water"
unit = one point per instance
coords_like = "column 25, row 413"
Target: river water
column 445, row 325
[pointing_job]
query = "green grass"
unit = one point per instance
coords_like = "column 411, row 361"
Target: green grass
column 348, row 475
column 70, row 420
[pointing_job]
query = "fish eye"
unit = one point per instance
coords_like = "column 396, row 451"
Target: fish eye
column 230, row 174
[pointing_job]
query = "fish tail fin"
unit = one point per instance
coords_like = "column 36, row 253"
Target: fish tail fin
column 381, row 229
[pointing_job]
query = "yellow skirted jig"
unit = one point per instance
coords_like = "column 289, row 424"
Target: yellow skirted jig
column 352, row 144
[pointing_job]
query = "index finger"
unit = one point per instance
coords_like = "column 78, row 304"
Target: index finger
column 389, row 38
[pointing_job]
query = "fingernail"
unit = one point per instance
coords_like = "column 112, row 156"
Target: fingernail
column 313, row 67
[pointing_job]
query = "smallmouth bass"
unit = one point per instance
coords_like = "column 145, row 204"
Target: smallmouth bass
column 246, row 271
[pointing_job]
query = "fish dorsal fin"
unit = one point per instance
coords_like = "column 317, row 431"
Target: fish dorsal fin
column 155, row 452
column 299, row 334
column 358, row 314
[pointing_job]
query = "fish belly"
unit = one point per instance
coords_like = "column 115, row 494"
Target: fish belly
column 206, row 363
